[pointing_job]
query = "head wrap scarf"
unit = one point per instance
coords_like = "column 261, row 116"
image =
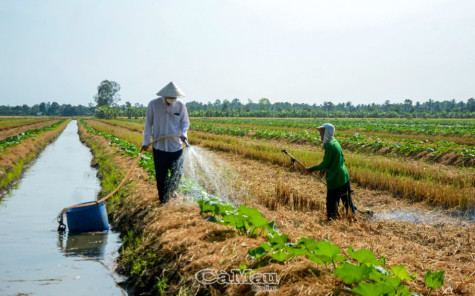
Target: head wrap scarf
column 329, row 133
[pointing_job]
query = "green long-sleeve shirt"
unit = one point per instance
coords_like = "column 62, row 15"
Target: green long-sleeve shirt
column 334, row 164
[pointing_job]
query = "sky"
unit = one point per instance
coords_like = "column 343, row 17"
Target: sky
column 287, row 51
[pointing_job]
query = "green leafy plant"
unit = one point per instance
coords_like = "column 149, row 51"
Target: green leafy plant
column 351, row 273
column 365, row 257
column 160, row 286
column 371, row 277
column 434, row 279
column 401, row 272
column 324, row 252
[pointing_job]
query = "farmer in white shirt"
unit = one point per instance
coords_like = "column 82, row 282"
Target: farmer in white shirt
column 167, row 117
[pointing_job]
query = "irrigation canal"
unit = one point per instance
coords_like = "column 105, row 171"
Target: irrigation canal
column 34, row 258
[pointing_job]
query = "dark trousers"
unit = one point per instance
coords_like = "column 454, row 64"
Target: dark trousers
column 334, row 196
column 165, row 162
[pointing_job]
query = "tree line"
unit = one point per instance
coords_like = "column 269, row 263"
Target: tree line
column 55, row 109
column 106, row 106
column 46, row 109
column 108, row 97
column 264, row 108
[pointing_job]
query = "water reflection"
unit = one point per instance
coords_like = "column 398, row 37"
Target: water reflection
column 91, row 245
column 33, row 258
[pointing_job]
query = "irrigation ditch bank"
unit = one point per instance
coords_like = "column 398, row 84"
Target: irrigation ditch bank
column 28, row 125
column 36, row 258
column 14, row 159
column 164, row 246
column 133, row 210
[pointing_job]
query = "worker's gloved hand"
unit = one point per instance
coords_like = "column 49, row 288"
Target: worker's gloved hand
column 321, row 174
column 144, row 148
column 307, row 171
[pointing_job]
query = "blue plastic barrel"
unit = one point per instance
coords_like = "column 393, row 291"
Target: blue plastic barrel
column 88, row 218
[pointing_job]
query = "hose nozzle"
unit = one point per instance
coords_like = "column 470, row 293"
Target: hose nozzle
column 186, row 143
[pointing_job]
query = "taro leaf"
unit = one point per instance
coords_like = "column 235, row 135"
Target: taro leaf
column 363, row 256
column 257, row 252
column 350, row 273
column 328, row 252
column 373, row 289
column 255, row 217
column 434, row 279
column 401, row 272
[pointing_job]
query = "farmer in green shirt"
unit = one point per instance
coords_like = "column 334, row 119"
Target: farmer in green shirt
column 333, row 164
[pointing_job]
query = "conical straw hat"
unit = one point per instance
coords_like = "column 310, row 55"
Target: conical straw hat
column 171, row 90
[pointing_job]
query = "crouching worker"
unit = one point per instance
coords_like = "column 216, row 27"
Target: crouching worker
column 333, row 164
column 167, row 117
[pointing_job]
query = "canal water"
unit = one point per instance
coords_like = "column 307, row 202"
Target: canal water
column 34, row 258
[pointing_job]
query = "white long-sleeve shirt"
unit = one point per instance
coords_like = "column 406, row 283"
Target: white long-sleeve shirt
column 163, row 120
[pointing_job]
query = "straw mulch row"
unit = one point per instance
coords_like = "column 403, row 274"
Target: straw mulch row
column 9, row 132
column 444, row 243
column 13, row 159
